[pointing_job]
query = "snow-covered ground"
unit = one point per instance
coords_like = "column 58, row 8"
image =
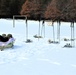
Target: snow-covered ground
column 38, row 57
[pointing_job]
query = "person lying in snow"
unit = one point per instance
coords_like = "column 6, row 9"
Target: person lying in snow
column 5, row 40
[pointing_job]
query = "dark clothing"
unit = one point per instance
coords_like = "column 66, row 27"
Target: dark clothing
column 3, row 39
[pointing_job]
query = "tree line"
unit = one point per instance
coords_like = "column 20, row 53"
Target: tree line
column 40, row 9
column 8, row 8
column 51, row 9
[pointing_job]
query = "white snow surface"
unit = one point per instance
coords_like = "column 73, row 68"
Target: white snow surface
column 38, row 57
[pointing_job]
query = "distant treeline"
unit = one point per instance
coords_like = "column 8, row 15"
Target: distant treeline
column 39, row 9
column 64, row 10
column 8, row 8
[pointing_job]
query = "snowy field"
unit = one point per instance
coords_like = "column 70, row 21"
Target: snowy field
column 38, row 57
